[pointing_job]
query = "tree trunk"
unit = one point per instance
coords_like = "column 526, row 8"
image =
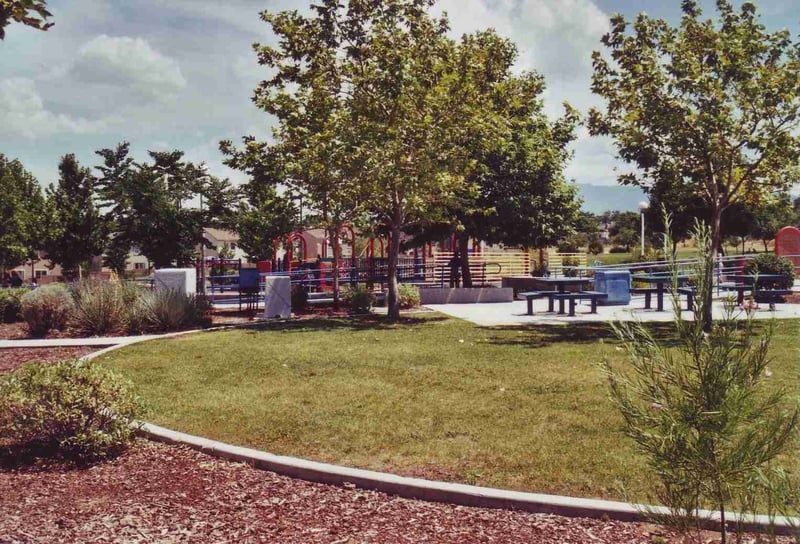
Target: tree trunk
column 463, row 253
column 708, row 294
column 394, row 251
column 333, row 236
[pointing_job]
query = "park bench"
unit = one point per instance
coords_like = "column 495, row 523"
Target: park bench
column 592, row 296
column 768, row 296
column 531, row 295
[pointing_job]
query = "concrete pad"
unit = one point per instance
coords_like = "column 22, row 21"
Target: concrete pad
column 514, row 313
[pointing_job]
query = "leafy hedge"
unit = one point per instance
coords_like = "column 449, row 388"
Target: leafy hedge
column 769, row 263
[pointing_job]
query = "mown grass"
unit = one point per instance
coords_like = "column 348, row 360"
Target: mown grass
column 518, row 408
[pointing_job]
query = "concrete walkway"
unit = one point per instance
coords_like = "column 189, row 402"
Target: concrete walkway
column 74, row 342
column 514, row 313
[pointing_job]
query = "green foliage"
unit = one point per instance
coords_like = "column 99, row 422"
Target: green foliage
column 265, row 217
column 708, row 109
column 596, row 247
column 568, row 264
column 299, row 297
column 618, row 249
column 11, row 304
column 407, row 296
column 164, row 310
column 32, row 13
column 769, row 263
column 72, row 409
column 77, row 232
column 697, row 406
column 46, row 308
column 360, row 299
column 23, row 214
column 101, row 308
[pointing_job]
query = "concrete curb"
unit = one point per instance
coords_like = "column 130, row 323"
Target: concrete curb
column 436, row 491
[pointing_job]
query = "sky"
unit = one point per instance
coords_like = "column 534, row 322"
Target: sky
column 179, row 74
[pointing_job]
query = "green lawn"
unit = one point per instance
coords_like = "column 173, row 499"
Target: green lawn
column 518, row 408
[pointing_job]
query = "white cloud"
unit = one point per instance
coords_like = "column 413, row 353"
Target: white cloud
column 23, row 113
column 129, row 62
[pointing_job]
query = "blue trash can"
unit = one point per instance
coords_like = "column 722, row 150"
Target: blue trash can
column 616, row 283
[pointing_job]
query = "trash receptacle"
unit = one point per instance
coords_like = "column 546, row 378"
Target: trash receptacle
column 615, row 283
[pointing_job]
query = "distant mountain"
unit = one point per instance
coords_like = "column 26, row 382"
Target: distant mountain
column 608, row 198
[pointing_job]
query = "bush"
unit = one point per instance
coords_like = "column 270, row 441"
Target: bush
column 618, row 249
column 101, row 308
column 568, row 246
column 358, row 298
column 299, row 297
column 769, row 263
column 407, row 296
column 74, row 409
column 596, row 247
column 570, row 262
column 164, row 310
column 46, row 308
column 11, row 304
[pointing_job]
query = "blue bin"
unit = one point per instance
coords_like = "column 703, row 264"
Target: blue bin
column 616, row 283
column 248, row 279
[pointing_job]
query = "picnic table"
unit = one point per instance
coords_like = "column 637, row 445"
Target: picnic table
column 754, row 283
column 558, row 291
column 659, row 280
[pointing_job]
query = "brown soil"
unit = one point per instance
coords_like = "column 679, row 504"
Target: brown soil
column 11, row 358
column 160, row 493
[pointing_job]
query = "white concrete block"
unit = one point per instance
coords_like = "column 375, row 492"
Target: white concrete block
column 277, row 296
column 182, row 280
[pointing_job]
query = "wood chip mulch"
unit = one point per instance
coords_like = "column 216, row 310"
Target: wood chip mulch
column 160, row 493
column 11, row 358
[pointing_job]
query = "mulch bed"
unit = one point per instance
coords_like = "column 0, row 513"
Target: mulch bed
column 161, row 493
column 11, row 358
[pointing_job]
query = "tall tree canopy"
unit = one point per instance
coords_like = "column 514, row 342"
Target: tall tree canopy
column 710, row 106
column 76, row 228
column 371, row 114
column 32, row 13
column 22, row 214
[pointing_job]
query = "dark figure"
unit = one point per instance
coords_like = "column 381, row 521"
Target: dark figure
column 16, row 281
column 455, row 270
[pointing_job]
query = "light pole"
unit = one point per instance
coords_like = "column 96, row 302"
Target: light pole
column 204, row 174
column 643, row 206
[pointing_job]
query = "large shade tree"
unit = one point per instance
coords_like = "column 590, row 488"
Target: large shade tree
column 370, row 117
column 710, row 107
column 32, row 13
column 22, row 214
column 76, row 227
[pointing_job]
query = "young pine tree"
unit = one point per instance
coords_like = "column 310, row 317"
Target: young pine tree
column 697, row 406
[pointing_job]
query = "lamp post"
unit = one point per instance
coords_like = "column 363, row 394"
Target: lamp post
column 643, row 206
column 204, row 174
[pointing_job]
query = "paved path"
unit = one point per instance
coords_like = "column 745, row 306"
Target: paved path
column 73, row 342
column 514, row 313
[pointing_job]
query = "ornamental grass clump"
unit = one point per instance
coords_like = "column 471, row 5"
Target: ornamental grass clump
column 46, row 308
column 76, row 410
column 101, row 308
column 165, row 310
column 698, row 408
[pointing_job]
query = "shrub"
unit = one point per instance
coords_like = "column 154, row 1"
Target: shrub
column 568, row 246
column 100, row 308
column 407, row 296
column 164, row 310
column 358, row 298
column 11, row 305
column 74, row 409
column 570, row 262
column 299, row 297
column 47, row 307
column 769, row 263
column 596, row 247
column 618, row 249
